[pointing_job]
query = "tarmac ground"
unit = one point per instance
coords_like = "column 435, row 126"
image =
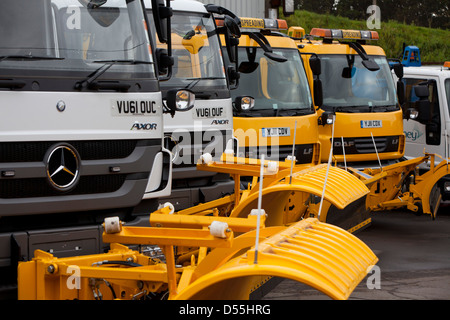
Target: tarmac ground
column 414, row 260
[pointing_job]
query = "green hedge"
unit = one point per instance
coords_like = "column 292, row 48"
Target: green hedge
column 434, row 44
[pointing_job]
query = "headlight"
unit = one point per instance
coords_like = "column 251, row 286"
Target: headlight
column 447, row 186
column 326, row 118
column 413, row 114
column 243, row 103
column 180, row 100
column 184, row 100
column 247, row 103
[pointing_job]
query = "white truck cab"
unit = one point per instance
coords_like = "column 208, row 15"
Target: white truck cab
column 81, row 124
column 198, row 71
column 427, row 90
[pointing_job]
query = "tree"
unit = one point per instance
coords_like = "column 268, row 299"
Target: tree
column 352, row 9
column 323, row 6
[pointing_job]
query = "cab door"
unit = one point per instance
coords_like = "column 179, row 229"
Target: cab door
column 426, row 132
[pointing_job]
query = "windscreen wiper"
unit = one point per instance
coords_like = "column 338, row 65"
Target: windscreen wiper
column 368, row 63
column 262, row 41
column 29, row 57
column 293, row 112
column 385, row 108
column 195, row 81
column 206, row 78
column 89, row 81
column 353, row 109
column 256, row 113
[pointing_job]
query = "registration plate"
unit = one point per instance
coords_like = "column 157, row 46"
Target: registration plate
column 276, row 132
column 371, row 124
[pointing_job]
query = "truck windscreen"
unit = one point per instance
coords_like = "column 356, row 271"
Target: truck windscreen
column 198, row 63
column 64, row 39
column 350, row 87
column 279, row 88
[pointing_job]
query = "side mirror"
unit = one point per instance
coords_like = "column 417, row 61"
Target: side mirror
column 314, row 64
column 164, row 61
column 423, row 107
column 233, row 26
column 401, row 92
column 233, row 75
column 398, row 70
column 421, row 91
column 318, row 93
column 423, row 104
column 161, row 16
column 180, row 100
column 244, row 103
column 231, row 30
column 231, row 21
column 232, row 46
column 316, row 68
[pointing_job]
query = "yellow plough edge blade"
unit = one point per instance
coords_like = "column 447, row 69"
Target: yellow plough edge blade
column 342, row 189
column 320, row 255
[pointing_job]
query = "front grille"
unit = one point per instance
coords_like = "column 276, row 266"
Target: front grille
column 88, row 150
column 39, row 187
column 365, row 145
column 303, row 152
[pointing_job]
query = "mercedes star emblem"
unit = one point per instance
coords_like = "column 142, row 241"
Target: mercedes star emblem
column 62, row 167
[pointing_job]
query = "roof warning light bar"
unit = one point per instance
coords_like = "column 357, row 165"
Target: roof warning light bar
column 344, row 34
column 256, row 23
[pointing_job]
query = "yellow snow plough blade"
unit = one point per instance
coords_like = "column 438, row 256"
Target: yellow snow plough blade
column 387, row 184
column 342, row 187
column 320, row 255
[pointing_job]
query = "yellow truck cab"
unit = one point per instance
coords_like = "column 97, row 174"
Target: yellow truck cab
column 358, row 92
column 280, row 109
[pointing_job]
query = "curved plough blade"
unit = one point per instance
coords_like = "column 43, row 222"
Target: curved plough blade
column 320, row 255
column 342, row 189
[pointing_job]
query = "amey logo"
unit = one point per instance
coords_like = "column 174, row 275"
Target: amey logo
column 413, row 135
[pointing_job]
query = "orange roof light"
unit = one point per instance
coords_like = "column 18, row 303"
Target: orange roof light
column 282, row 24
column 447, row 64
column 375, row 35
column 321, row 33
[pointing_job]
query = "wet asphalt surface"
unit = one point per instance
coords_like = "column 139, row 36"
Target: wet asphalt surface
column 414, row 260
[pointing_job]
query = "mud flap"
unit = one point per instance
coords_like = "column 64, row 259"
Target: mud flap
column 317, row 254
